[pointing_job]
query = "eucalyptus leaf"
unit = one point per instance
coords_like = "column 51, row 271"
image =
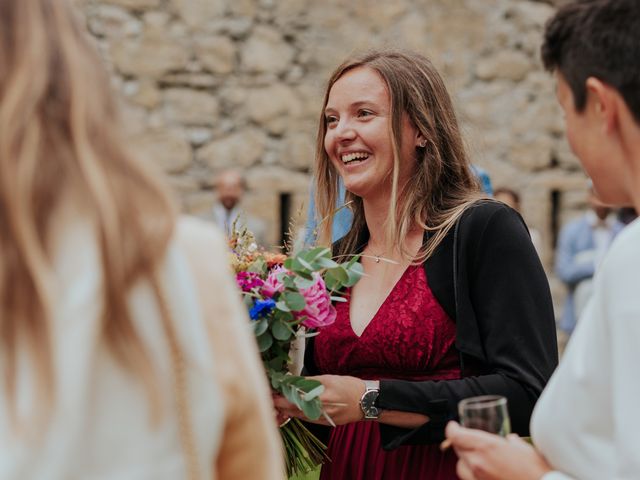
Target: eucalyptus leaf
column 282, row 306
column 306, row 384
column 354, row 273
column 291, row 394
column 312, row 410
column 304, row 274
column 289, row 281
column 264, row 342
column 283, row 316
column 326, row 263
column 277, row 363
column 313, row 393
column 353, row 260
column 315, row 253
column 281, row 331
column 331, row 282
column 294, row 301
column 305, row 264
column 335, row 298
column 339, row 274
column 302, row 283
column 260, row 326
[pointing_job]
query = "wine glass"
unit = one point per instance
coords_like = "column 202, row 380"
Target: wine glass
column 488, row 413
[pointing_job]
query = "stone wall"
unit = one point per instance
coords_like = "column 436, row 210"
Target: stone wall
column 214, row 83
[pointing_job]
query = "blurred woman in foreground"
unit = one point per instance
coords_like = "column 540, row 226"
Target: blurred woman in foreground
column 123, row 353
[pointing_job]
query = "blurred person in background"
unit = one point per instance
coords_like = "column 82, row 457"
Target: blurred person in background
column 512, row 198
column 124, row 350
column 586, row 423
column 230, row 188
column 582, row 244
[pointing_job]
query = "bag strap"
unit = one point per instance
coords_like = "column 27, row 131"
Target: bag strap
column 187, row 435
column 181, row 389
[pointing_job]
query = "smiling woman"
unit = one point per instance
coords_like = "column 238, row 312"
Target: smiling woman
column 454, row 301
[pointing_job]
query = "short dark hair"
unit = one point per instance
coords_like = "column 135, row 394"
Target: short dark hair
column 596, row 38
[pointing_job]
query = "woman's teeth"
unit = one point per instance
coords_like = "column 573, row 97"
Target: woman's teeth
column 354, row 157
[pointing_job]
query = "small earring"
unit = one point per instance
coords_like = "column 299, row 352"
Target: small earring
column 423, row 143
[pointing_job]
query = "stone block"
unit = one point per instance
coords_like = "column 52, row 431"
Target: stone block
column 506, row 64
column 266, row 52
column 298, row 151
column 533, row 153
column 190, row 107
column 274, row 107
column 216, row 53
column 144, row 92
column 245, row 8
column 189, row 80
column 113, row 22
column 135, row 4
column 150, row 56
column 239, row 149
column 199, row 14
column 526, row 14
column 277, row 179
column 166, row 148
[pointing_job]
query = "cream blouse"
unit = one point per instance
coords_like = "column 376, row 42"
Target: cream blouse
column 100, row 426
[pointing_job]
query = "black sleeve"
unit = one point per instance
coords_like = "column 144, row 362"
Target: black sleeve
column 514, row 331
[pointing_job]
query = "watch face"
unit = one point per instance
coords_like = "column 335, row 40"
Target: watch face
column 368, row 404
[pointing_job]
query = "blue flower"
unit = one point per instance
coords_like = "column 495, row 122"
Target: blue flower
column 261, row 308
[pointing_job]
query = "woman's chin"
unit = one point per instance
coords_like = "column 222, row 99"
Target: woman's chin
column 357, row 188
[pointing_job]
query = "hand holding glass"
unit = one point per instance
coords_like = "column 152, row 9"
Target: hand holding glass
column 488, row 413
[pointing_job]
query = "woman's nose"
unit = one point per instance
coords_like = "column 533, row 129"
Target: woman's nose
column 345, row 131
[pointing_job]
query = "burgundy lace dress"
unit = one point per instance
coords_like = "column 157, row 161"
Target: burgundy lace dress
column 409, row 338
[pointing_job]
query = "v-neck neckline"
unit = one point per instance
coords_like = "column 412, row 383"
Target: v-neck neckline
column 375, row 315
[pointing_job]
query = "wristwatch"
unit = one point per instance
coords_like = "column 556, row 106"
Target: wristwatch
column 369, row 400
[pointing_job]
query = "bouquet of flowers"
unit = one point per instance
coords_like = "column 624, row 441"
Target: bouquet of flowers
column 290, row 297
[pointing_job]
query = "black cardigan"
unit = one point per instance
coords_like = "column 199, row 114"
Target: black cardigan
column 505, row 331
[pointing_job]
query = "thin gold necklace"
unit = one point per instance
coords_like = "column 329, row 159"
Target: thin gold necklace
column 377, row 257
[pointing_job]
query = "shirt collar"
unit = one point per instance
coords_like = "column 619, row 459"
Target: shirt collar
column 594, row 221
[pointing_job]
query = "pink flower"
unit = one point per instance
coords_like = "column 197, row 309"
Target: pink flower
column 247, row 281
column 319, row 310
column 273, row 284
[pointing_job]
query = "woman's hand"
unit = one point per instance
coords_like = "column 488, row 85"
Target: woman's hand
column 281, row 417
column 484, row 456
column 340, row 400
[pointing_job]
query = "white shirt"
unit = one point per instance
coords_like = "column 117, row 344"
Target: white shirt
column 587, row 421
column 227, row 219
column 603, row 234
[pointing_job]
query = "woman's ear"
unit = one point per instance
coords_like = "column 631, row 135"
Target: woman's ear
column 421, row 142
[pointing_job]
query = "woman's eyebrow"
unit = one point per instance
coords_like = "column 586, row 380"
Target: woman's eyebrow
column 359, row 103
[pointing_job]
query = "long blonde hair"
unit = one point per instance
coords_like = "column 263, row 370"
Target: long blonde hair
column 443, row 184
column 60, row 135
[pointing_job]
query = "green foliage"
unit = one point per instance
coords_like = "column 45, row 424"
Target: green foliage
column 276, row 330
